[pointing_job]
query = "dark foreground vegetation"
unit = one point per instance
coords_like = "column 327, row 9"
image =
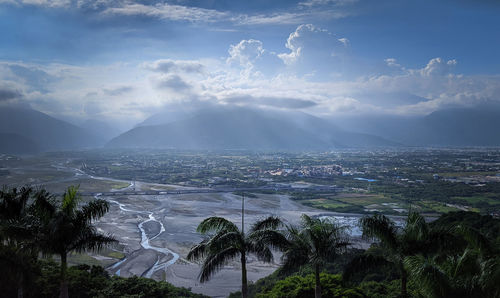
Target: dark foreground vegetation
column 35, row 226
column 86, row 281
column 455, row 256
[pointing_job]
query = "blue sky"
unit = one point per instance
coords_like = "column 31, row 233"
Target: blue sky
column 123, row 60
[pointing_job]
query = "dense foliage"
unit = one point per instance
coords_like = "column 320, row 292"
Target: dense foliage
column 454, row 256
column 296, row 286
column 90, row 281
column 35, row 223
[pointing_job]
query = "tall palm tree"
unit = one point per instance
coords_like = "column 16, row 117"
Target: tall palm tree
column 315, row 241
column 226, row 242
column 18, row 227
column 474, row 272
column 68, row 228
column 416, row 237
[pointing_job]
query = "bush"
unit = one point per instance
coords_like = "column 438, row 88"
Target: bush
column 303, row 286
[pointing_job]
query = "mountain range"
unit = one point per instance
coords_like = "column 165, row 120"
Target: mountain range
column 245, row 128
column 455, row 127
column 27, row 131
column 24, row 130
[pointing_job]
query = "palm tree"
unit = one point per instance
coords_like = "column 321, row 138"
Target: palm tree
column 416, row 237
column 474, row 272
column 67, row 227
column 226, row 242
column 18, row 227
column 316, row 241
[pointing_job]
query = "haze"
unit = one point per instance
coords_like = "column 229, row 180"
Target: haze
column 377, row 68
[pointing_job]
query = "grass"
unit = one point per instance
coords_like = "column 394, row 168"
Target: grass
column 324, row 203
column 114, row 254
column 466, row 174
column 77, row 259
column 436, row 207
column 355, row 202
column 491, row 199
column 119, row 185
column 364, row 199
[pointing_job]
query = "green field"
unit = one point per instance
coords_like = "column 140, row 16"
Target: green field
column 356, row 202
column 438, row 207
column 490, row 199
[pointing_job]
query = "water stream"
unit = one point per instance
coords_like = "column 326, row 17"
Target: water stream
column 145, row 241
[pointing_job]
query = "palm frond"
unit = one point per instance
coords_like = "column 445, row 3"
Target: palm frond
column 490, row 275
column 416, row 227
column 90, row 240
column 298, row 249
column 475, row 239
column 44, row 205
column 271, row 222
column 271, row 238
column 94, row 210
column 466, row 264
column 214, row 262
column 198, row 251
column 70, row 199
column 262, row 252
column 307, row 221
column 216, row 224
column 430, row 277
column 380, row 227
column 224, row 239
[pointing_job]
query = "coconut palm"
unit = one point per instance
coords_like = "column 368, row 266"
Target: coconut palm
column 416, row 237
column 226, row 242
column 474, row 272
column 18, row 226
column 315, row 241
column 67, row 227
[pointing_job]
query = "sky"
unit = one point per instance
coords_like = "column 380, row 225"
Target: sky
column 121, row 61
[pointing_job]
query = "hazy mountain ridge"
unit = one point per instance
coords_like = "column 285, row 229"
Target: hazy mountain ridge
column 241, row 128
column 455, row 127
column 101, row 129
column 17, row 144
column 43, row 131
column 28, row 131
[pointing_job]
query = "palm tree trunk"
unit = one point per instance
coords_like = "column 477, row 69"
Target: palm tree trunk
column 244, row 283
column 317, row 290
column 64, row 283
column 20, row 288
column 404, row 280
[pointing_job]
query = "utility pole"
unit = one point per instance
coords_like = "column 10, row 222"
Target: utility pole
column 243, row 214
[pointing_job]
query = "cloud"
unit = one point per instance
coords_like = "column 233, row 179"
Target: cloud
column 315, row 51
column 312, row 3
column 391, row 62
column 438, row 66
column 245, row 52
column 42, row 3
column 32, row 76
column 169, row 66
column 174, row 83
column 266, row 101
column 7, row 94
column 312, row 38
column 167, row 11
column 253, row 60
column 117, row 91
column 284, row 18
